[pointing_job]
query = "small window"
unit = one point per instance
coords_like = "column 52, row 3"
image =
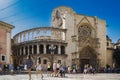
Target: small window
column 117, row 47
column 3, row 58
column 44, row 61
column 59, row 61
column 107, row 43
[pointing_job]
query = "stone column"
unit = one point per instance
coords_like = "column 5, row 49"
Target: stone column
column 8, row 47
column 44, row 34
column 17, row 39
column 32, row 35
column 38, row 33
column 24, row 50
column 24, row 36
column 38, row 49
column 63, row 36
column 28, row 36
column 65, row 49
column 32, row 49
column 59, row 50
column 44, row 48
column 20, row 38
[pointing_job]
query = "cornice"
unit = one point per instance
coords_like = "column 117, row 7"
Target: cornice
column 6, row 25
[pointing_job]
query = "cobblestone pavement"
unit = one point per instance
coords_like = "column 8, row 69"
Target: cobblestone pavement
column 68, row 77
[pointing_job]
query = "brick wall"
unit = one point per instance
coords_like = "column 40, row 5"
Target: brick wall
column 2, row 42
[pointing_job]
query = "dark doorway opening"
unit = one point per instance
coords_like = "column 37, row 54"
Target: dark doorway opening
column 83, row 63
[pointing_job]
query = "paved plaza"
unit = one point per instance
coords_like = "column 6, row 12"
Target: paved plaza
column 68, row 77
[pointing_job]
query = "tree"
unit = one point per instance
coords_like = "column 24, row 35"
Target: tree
column 116, row 57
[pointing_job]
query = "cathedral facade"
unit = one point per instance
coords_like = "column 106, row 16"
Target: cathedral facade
column 72, row 39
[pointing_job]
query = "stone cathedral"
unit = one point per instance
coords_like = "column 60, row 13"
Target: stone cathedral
column 72, row 39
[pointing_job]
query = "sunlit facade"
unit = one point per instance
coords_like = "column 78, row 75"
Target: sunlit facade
column 5, row 43
column 77, row 39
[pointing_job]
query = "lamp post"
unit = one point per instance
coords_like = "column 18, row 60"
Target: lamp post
column 52, row 50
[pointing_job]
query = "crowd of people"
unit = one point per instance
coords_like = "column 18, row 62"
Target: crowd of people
column 56, row 69
column 6, row 69
column 89, row 69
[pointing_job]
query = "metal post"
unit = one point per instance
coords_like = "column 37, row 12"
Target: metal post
column 52, row 49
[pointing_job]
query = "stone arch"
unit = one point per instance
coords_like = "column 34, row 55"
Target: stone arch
column 88, row 56
column 84, row 31
column 85, row 22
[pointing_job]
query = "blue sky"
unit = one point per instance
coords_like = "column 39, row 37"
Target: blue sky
column 26, row 14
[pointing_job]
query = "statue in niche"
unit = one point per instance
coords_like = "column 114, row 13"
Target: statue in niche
column 59, row 18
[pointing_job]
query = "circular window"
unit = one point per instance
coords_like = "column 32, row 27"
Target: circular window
column 84, row 31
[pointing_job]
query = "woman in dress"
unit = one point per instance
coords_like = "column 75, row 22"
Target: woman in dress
column 39, row 68
column 55, row 68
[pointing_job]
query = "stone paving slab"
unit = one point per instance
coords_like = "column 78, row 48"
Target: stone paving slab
column 68, row 77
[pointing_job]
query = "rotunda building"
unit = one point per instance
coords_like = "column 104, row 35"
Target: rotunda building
column 45, row 43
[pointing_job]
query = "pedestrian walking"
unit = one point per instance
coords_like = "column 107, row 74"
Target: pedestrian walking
column 55, row 68
column 58, row 66
column 29, row 64
column 85, row 69
column 11, row 68
column 62, row 71
column 39, row 68
column 1, row 70
column 48, row 69
column 69, row 69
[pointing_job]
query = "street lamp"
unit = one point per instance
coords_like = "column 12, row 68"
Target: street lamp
column 52, row 50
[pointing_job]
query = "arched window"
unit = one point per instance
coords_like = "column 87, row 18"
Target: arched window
column 44, row 61
column 84, row 31
column 56, row 49
column 47, row 49
column 26, row 50
column 30, row 49
column 22, row 51
column 41, row 49
column 107, row 43
column 62, row 49
column 35, row 49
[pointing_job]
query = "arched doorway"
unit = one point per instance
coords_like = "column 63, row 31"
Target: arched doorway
column 87, row 56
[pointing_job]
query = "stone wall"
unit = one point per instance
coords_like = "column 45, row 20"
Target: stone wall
column 72, row 22
column 5, row 42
